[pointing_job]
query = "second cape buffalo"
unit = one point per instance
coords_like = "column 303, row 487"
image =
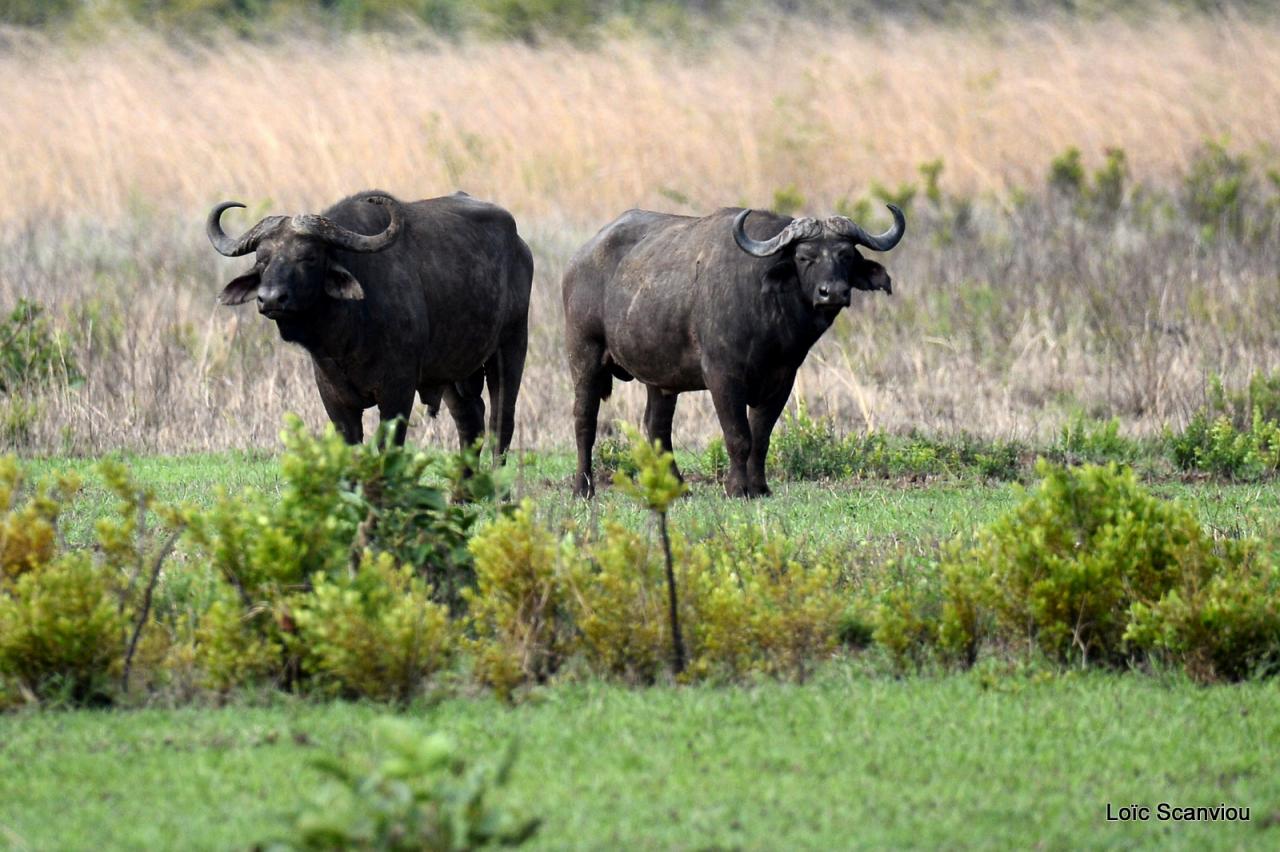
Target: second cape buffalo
column 730, row 303
column 392, row 299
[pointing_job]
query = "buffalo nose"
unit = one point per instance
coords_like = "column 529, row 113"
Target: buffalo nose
column 824, row 291
column 272, row 301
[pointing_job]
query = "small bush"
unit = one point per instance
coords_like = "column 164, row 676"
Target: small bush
column 1094, row 442
column 1220, row 626
column 1060, row 570
column 31, row 353
column 1236, row 434
column 1215, row 190
column 309, row 546
column 412, row 793
column 376, row 633
column 808, row 448
column 1066, row 173
column 72, row 620
column 62, row 634
column 518, row 606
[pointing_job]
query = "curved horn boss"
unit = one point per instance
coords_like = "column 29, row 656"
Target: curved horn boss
column 339, row 237
column 798, row 229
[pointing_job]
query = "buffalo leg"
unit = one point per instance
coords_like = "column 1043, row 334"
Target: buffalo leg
column 504, row 371
column 467, row 407
column 730, row 400
column 590, row 386
column 762, row 419
column 397, row 408
column 346, row 419
column 659, row 410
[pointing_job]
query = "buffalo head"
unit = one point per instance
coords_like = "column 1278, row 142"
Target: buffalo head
column 821, row 255
column 295, row 266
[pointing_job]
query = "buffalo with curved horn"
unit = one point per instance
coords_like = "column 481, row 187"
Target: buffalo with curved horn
column 392, row 299
column 685, row 304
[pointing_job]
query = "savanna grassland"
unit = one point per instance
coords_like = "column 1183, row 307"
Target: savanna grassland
column 928, row 637
column 1015, row 304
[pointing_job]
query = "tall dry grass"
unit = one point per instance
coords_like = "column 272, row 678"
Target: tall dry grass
column 565, row 133
column 111, row 153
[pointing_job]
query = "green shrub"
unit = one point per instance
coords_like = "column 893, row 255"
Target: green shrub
column 615, row 456
column 412, row 793
column 31, row 353
column 808, row 448
column 518, row 607
column 375, row 633
column 1215, row 190
column 788, row 200
column 747, row 606
column 282, row 554
column 1108, row 191
column 62, row 634
column 72, row 620
column 1235, row 434
column 1061, row 569
column 1219, row 626
column 1097, row 442
column 715, row 459
column 1066, row 173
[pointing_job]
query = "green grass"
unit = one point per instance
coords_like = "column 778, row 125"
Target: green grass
column 854, row 758
column 846, row 514
column 846, row 761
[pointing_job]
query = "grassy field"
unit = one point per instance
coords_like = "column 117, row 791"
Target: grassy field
column 1004, row 756
column 1027, row 297
column 844, row 513
column 845, row 761
column 1014, row 306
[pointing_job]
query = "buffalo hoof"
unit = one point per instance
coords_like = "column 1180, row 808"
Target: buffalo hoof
column 583, row 487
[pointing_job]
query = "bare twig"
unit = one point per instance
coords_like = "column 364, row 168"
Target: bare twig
column 145, row 612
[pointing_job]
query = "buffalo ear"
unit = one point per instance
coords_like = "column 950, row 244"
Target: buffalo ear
column 341, row 284
column 241, row 289
column 870, row 275
column 777, row 277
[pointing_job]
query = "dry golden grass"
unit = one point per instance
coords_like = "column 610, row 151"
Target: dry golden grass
column 143, row 135
column 582, row 135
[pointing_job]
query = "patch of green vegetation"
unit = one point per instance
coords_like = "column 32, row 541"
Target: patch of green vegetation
column 892, row 763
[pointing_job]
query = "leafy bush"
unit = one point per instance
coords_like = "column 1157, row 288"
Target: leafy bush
column 1223, row 625
column 808, row 448
column 1096, row 442
column 31, row 353
column 412, row 793
column 1236, row 434
column 1060, row 570
column 61, row 630
column 1215, row 190
column 308, row 574
column 71, row 620
column 1099, row 198
column 811, row 448
column 1091, row 568
column 747, row 605
column 518, row 606
column 375, row 633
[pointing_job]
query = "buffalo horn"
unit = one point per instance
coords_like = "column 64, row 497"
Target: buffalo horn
column 797, row 229
column 247, row 242
column 877, row 242
column 340, row 237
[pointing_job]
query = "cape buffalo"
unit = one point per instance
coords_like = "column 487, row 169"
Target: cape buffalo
column 686, row 304
column 391, row 299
